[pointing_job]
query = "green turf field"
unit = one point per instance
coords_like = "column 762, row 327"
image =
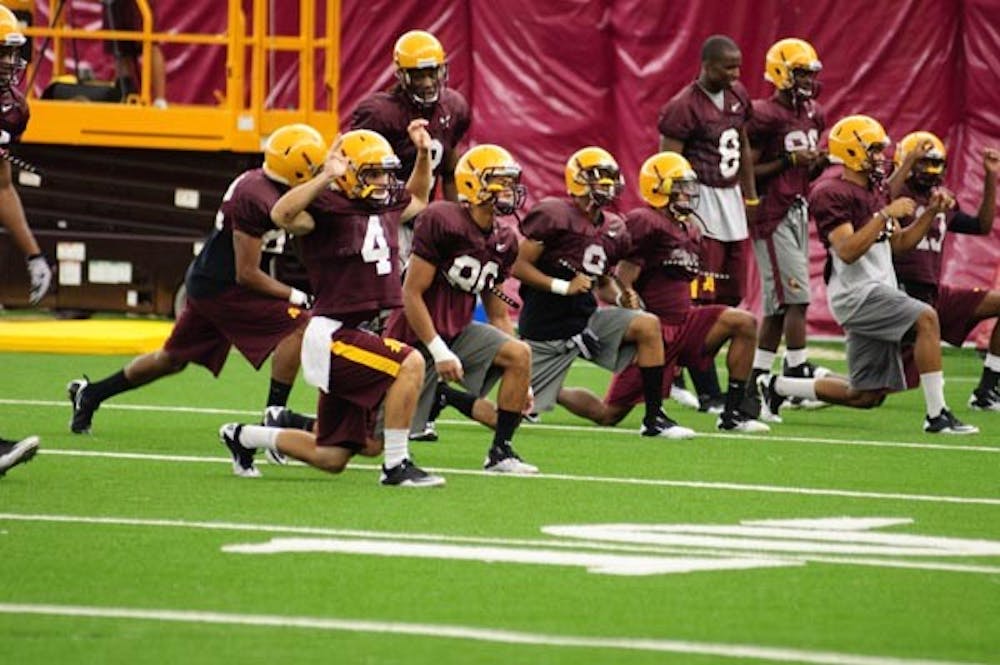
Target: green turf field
column 842, row 537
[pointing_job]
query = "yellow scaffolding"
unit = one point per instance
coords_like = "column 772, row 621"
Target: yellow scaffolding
column 238, row 123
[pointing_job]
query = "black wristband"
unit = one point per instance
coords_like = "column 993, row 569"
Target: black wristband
column 39, row 255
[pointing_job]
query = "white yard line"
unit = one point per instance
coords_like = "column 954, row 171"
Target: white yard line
column 951, row 445
column 654, row 482
column 547, row 543
column 738, row 651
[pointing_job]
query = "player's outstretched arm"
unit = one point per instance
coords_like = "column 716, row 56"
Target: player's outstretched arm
column 13, row 219
column 289, row 213
column 421, row 179
column 988, row 207
column 247, row 252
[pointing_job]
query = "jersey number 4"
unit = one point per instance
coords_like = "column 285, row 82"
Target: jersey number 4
column 375, row 248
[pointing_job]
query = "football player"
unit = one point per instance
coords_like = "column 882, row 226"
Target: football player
column 421, row 91
column 13, row 122
column 784, row 135
column 230, row 300
column 706, row 122
column 861, row 232
column 663, row 261
column 569, row 250
column 921, row 160
column 460, row 251
column 350, row 214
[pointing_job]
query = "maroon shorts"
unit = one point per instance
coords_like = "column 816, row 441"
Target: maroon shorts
column 363, row 366
column 683, row 345
column 956, row 309
column 250, row 321
column 722, row 258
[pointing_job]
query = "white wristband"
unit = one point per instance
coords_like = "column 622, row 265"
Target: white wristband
column 297, row 297
column 439, row 350
column 560, row 286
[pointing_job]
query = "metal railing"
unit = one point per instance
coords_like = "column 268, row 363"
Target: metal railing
column 239, row 121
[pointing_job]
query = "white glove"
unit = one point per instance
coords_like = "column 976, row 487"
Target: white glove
column 41, row 278
column 300, row 299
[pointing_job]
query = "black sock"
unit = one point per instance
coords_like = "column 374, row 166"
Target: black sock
column 437, row 406
column 278, row 393
column 652, row 390
column 459, row 399
column 109, row 387
column 734, row 397
column 507, row 422
column 988, row 381
column 706, row 381
column 301, row 421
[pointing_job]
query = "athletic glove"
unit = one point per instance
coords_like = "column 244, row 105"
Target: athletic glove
column 41, row 278
column 587, row 342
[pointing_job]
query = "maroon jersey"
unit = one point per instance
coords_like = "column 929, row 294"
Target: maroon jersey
column 667, row 252
column 776, row 130
column 711, row 136
column 390, row 113
column 469, row 261
column 14, row 116
column 922, row 264
column 569, row 238
column 246, row 206
column 352, row 257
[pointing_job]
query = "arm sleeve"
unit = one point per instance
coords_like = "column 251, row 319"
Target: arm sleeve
column 963, row 222
column 676, row 120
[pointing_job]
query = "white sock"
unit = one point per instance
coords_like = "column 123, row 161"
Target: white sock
column 795, row 357
column 992, row 362
column 763, row 359
column 789, row 387
column 933, row 385
column 255, row 436
column 396, row 447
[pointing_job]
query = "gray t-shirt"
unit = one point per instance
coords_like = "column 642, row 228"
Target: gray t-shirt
column 833, row 203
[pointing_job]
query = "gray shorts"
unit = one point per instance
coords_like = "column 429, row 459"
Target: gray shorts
column 551, row 359
column 874, row 333
column 476, row 347
column 783, row 262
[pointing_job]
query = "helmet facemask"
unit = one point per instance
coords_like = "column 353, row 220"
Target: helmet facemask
column 378, row 184
column 604, row 184
column 927, row 173
column 12, row 66
column 424, row 84
column 684, row 198
column 502, row 186
column 804, row 85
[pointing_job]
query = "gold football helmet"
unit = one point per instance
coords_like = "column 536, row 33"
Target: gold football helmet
column 594, row 173
column 929, row 170
column 416, row 52
column 666, row 180
column 787, row 56
column 488, row 172
column 12, row 63
column 369, row 156
column 853, row 141
column 294, row 154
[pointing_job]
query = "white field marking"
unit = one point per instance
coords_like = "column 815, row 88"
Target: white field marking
column 403, row 539
column 654, row 482
column 593, row 429
column 740, row 651
column 605, row 564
